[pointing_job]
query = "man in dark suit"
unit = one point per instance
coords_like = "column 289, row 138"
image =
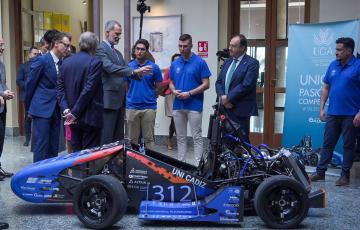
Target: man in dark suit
column 236, row 85
column 80, row 94
column 5, row 94
column 40, row 99
column 22, row 74
column 113, row 70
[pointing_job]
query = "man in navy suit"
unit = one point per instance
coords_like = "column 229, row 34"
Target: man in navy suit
column 113, row 72
column 236, row 85
column 40, row 99
column 22, row 74
column 80, row 94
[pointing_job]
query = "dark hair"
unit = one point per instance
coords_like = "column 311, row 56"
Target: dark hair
column 243, row 40
column 144, row 42
column 174, row 56
column 185, row 37
column 42, row 41
column 348, row 42
column 49, row 35
column 32, row 48
column 57, row 38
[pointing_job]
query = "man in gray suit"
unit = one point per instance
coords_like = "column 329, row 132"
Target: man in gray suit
column 113, row 70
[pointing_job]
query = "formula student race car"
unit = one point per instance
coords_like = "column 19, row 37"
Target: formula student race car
column 234, row 176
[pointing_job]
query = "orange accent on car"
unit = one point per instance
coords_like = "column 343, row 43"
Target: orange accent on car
column 99, row 154
column 324, row 197
column 161, row 171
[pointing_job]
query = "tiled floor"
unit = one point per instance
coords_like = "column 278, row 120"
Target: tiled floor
column 342, row 212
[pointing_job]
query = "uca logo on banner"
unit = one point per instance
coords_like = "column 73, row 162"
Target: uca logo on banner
column 323, row 50
column 323, row 38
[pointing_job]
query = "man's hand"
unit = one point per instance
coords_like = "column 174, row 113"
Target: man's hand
column 322, row 115
column 177, row 92
column 357, row 120
column 8, row 94
column 227, row 104
column 70, row 119
column 183, row 95
column 65, row 112
column 143, row 70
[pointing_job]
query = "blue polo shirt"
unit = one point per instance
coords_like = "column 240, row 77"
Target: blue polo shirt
column 142, row 94
column 188, row 75
column 344, row 82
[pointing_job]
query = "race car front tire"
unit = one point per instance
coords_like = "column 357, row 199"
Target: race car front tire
column 100, row 201
column 281, row 202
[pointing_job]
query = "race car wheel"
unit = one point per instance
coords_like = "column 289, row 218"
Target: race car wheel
column 100, row 201
column 281, row 202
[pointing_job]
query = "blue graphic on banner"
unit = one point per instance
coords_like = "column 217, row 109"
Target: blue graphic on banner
column 311, row 49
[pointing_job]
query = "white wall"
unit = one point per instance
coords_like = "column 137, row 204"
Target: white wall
column 200, row 19
column 335, row 10
column 112, row 10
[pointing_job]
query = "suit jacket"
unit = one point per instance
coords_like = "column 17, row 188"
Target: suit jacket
column 21, row 76
column 40, row 97
column 80, row 88
column 113, row 70
column 3, row 85
column 242, row 88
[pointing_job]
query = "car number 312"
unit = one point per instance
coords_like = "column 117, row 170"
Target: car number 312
column 170, row 193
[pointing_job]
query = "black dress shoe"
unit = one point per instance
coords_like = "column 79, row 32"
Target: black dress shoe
column 6, row 174
column 26, row 143
column 4, row 225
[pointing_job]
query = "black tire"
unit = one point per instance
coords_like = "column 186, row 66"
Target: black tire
column 281, row 202
column 100, row 201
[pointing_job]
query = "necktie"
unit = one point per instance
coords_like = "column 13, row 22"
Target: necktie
column 116, row 55
column 57, row 65
column 229, row 77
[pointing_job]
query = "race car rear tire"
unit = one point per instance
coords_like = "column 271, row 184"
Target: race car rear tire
column 100, row 201
column 281, row 202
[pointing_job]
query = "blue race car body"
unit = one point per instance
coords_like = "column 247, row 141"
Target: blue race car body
column 232, row 177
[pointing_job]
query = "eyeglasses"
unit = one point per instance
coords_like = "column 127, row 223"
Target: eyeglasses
column 65, row 44
column 140, row 49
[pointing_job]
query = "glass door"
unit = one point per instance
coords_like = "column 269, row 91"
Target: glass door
column 265, row 24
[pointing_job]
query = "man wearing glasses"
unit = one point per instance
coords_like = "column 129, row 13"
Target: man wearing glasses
column 141, row 97
column 40, row 99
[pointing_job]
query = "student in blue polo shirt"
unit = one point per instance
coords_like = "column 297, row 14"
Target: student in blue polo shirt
column 189, row 76
column 342, row 87
column 141, row 97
